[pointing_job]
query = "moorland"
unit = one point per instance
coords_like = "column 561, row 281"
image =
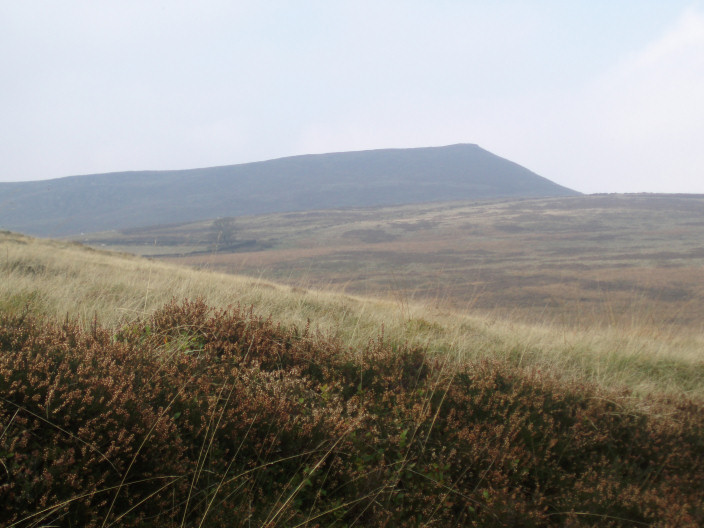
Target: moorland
column 350, row 354
column 137, row 392
column 583, row 261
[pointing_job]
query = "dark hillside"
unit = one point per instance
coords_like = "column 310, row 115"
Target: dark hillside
column 101, row 202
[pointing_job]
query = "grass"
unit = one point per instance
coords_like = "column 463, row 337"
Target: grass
column 195, row 417
column 124, row 404
column 60, row 280
column 590, row 260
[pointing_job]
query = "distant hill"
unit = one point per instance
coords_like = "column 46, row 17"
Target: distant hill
column 100, row 202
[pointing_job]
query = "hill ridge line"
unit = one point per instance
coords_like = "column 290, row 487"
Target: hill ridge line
column 381, row 177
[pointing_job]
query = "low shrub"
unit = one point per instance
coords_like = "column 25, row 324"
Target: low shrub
column 196, row 417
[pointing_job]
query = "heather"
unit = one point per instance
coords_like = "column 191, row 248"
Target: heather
column 57, row 280
column 195, row 416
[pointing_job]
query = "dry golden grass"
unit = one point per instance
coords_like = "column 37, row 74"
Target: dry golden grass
column 59, row 280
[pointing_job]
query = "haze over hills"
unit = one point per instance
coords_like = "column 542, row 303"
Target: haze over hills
column 99, row 202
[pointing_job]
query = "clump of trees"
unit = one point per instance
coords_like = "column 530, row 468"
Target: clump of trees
column 224, row 232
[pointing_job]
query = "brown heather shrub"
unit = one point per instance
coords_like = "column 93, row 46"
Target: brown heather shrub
column 201, row 418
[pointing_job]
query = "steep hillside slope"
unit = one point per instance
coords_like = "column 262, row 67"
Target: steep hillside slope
column 351, row 179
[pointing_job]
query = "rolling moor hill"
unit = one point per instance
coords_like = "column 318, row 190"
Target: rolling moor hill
column 101, row 202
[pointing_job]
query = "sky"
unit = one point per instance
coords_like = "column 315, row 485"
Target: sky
column 599, row 96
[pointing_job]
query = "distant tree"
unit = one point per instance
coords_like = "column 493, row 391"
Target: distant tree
column 224, row 231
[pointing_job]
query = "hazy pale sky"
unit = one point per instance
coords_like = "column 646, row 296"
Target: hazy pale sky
column 600, row 96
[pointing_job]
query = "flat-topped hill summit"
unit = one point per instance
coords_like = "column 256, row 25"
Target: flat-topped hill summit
column 119, row 200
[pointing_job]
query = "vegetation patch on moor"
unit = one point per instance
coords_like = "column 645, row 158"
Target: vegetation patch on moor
column 201, row 417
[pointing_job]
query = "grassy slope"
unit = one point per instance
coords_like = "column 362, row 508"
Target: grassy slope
column 180, row 416
column 195, row 418
column 592, row 260
column 57, row 279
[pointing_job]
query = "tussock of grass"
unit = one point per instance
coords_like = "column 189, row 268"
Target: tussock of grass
column 59, row 281
column 195, row 417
